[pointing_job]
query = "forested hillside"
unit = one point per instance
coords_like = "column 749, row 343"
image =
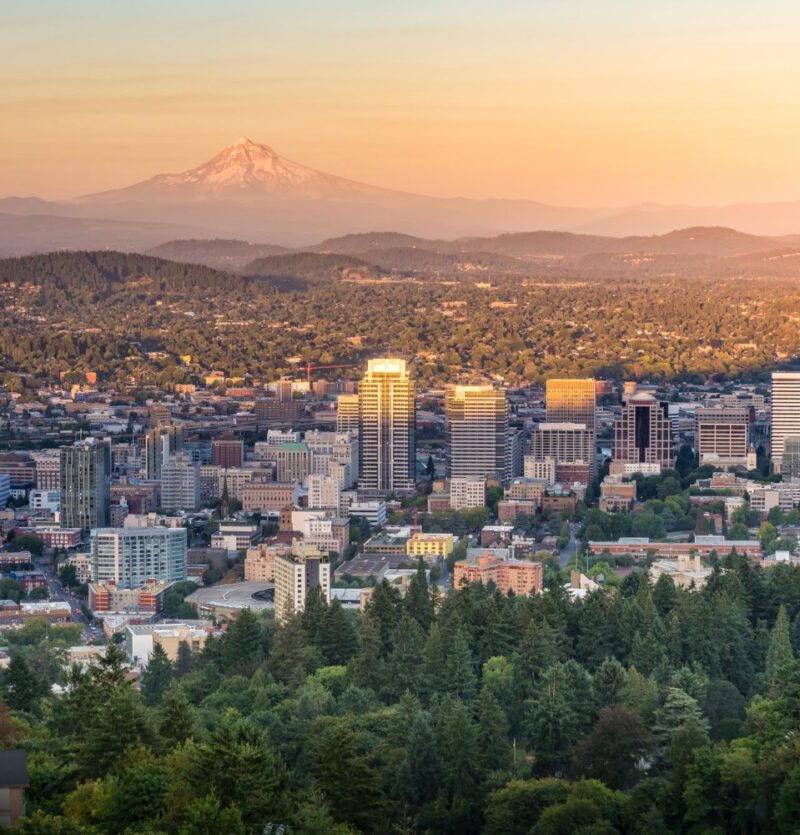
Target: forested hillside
column 131, row 317
column 646, row 710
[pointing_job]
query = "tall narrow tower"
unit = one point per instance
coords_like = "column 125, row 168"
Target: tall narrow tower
column 386, row 421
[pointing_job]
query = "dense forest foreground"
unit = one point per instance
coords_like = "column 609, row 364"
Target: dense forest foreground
column 646, row 710
column 132, row 317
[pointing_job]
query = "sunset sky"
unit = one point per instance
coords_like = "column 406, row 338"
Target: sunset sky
column 574, row 102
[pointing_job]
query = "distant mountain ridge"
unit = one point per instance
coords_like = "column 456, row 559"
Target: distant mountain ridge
column 249, row 191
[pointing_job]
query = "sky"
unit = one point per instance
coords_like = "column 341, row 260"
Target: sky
column 570, row 102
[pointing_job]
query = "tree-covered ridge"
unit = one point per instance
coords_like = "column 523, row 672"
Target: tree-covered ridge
column 647, row 709
column 106, row 311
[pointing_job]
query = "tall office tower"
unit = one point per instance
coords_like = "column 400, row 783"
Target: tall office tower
column 129, row 557
column 643, row 433
column 386, row 411
column 154, row 447
column 295, row 573
column 84, row 478
column 227, row 452
column 180, row 483
column 571, row 401
column 160, row 416
column 477, row 425
column 347, row 413
column 722, row 435
column 790, row 461
column 785, row 412
column 515, row 453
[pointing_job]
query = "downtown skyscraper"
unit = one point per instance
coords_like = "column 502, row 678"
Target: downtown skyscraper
column 785, row 413
column 386, row 420
column 477, row 429
column 85, row 472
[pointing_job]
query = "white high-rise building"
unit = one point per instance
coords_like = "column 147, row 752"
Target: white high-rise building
column 785, row 412
column 180, row 483
column 323, row 492
column 129, row 557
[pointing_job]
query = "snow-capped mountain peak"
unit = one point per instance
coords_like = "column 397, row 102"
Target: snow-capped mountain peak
column 245, row 170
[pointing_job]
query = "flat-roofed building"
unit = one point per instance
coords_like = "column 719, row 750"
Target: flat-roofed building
column 722, row 435
column 477, row 426
column 130, row 557
column 293, row 462
column 466, row 493
column 785, row 412
column 643, row 432
column 520, row 576
column 268, row 496
column 347, row 413
column 430, row 546
column 571, row 401
column 85, row 470
column 227, row 452
column 564, row 443
column 387, row 459
column 304, row 568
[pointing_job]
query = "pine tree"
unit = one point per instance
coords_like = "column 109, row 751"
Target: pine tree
column 290, row 652
column 537, row 651
column 313, row 616
column 417, row 600
column 420, row 772
column 243, row 645
column 459, row 671
column 780, row 652
column 156, row 676
column 384, row 605
column 185, row 660
column 434, row 655
column 404, row 666
column 608, row 681
column 338, row 640
column 367, row 664
column 494, row 750
column 178, row 720
column 458, row 743
column 22, row 688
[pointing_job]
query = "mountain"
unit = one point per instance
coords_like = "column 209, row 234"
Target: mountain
column 245, row 171
column 250, row 192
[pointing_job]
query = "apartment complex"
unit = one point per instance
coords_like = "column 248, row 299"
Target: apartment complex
column 295, row 573
column 85, row 470
column 130, row 557
column 520, row 576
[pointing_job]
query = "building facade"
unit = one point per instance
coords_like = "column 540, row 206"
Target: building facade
column 477, row 425
column 296, row 573
column 643, row 432
column 386, row 427
column 130, row 557
column 785, row 412
column 85, row 490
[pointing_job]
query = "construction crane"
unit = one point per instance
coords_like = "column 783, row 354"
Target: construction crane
column 310, row 368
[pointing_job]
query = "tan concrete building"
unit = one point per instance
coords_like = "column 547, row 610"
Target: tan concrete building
column 304, row 568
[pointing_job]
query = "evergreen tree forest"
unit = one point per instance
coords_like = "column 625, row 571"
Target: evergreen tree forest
column 642, row 709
